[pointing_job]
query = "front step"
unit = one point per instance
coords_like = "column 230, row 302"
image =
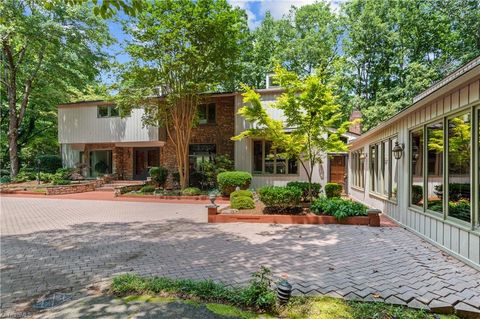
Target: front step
column 105, row 189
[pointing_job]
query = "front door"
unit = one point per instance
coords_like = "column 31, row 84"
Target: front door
column 338, row 172
column 144, row 159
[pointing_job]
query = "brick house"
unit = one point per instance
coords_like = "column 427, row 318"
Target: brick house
column 93, row 133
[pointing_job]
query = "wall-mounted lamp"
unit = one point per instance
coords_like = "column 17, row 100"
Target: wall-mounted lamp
column 398, row 150
column 363, row 155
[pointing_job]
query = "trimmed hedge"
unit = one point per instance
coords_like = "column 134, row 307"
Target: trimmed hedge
column 303, row 186
column 338, row 207
column 191, row 191
column 333, row 190
column 282, row 197
column 229, row 181
column 241, row 193
column 242, row 202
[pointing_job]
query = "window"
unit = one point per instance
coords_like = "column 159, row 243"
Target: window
column 100, row 163
column 458, row 195
column 358, row 167
column 434, row 166
column 383, row 169
column 207, row 113
column 107, row 111
column 416, row 172
column 267, row 160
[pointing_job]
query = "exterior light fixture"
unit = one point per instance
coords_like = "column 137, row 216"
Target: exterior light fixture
column 212, row 198
column 363, row 155
column 398, row 150
column 284, row 291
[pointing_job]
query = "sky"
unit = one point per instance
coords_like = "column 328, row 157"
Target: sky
column 255, row 10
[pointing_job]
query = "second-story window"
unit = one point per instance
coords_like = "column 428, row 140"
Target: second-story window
column 107, row 111
column 207, row 113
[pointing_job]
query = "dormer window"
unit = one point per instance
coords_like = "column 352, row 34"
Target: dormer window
column 207, row 113
column 107, row 111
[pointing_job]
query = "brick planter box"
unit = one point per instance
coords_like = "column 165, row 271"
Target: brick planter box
column 173, row 198
column 371, row 220
column 72, row 188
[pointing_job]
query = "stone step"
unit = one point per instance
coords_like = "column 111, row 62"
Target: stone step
column 105, row 189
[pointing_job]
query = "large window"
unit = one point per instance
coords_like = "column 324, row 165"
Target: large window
column 107, row 111
column 100, row 163
column 459, row 141
column 207, row 113
column 416, row 172
column 267, row 160
column 358, row 169
column 383, row 169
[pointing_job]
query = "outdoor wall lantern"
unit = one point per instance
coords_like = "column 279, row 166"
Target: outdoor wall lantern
column 398, row 150
column 363, row 155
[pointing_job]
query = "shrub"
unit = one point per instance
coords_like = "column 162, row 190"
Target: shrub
column 25, row 175
column 460, row 209
column 456, row 191
column 241, row 193
column 159, row 175
column 303, row 186
column 210, row 170
column 49, row 163
column 281, row 197
column 338, row 207
column 417, row 194
column 48, row 177
column 147, row 189
column 229, row 181
column 65, row 173
column 59, row 181
column 333, row 190
column 191, row 191
column 5, row 179
column 242, row 202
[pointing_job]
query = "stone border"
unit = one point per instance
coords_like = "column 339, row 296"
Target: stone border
column 74, row 188
column 373, row 219
column 173, row 198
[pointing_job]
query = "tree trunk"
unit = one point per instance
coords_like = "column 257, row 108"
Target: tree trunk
column 13, row 144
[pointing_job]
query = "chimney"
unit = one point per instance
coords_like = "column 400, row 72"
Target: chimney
column 355, row 128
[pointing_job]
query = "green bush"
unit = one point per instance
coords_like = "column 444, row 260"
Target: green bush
column 49, row 163
column 48, row 177
column 5, row 179
column 59, row 181
column 159, row 175
column 25, row 175
column 338, row 207
column 66, row 172
column 241, row 193
column 191, row 191
column 303, row 186
column 229, row 181
column 460, row 209
column 417, row 194
column 282, row 197
column 242, row 202
column 456, row 191
column 333, row 190
column 147, row 189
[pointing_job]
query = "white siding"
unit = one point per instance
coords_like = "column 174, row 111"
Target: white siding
column 70, row 157
column 80, row 124
column 458, row 240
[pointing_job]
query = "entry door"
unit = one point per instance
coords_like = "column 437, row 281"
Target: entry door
column 143, row 160
column 338, row 172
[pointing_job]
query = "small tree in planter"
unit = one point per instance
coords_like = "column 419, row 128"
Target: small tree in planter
column 309, row 109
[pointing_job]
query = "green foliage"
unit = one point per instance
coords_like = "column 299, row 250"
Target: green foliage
column 59, row 181
column 417, row 194
column 147, row 189
column 229, row 181
column 333, row 190
column 456, row 191
column 65, row 173
column 241, row 193
column 257, row 294
column 25, row 175
column 48, row 177
column 159, row 175
column 209, row 170
column 191, row 191
column 49, row 163
column 338, row 207
column 281, row 197
column 460, row 209
column 242, row 202
column 315, row 189
column 5, row 179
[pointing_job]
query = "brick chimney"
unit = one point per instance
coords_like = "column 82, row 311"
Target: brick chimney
column 355, row 128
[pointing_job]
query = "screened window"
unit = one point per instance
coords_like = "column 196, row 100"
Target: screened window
column 358, row 169
column 107, row 111
column 459, row 137
column 267, row 160
column 207, row 113
column 416, row 173
column 383, row 169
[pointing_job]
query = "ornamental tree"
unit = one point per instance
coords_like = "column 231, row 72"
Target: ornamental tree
column 179, row 50
column 312, row 123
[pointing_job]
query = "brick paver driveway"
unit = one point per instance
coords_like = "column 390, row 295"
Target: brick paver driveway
column 52, row 244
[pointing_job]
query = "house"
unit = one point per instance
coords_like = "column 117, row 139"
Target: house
column 422, row 166
column 94, row 134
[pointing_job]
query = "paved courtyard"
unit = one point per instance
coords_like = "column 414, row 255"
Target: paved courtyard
column 67, row 245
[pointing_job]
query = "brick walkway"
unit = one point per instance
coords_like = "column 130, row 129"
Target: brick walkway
column 52, row 244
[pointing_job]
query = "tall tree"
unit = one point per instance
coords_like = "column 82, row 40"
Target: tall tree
column 45, row 51
column 180, row 49
column 312, row 125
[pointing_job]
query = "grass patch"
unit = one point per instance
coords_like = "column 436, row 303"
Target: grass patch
column 147, row 298
column 230, row 311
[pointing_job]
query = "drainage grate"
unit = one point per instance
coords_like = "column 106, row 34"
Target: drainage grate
column 52, row 300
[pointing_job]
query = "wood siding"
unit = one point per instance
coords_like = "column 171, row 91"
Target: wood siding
column 459, row 240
